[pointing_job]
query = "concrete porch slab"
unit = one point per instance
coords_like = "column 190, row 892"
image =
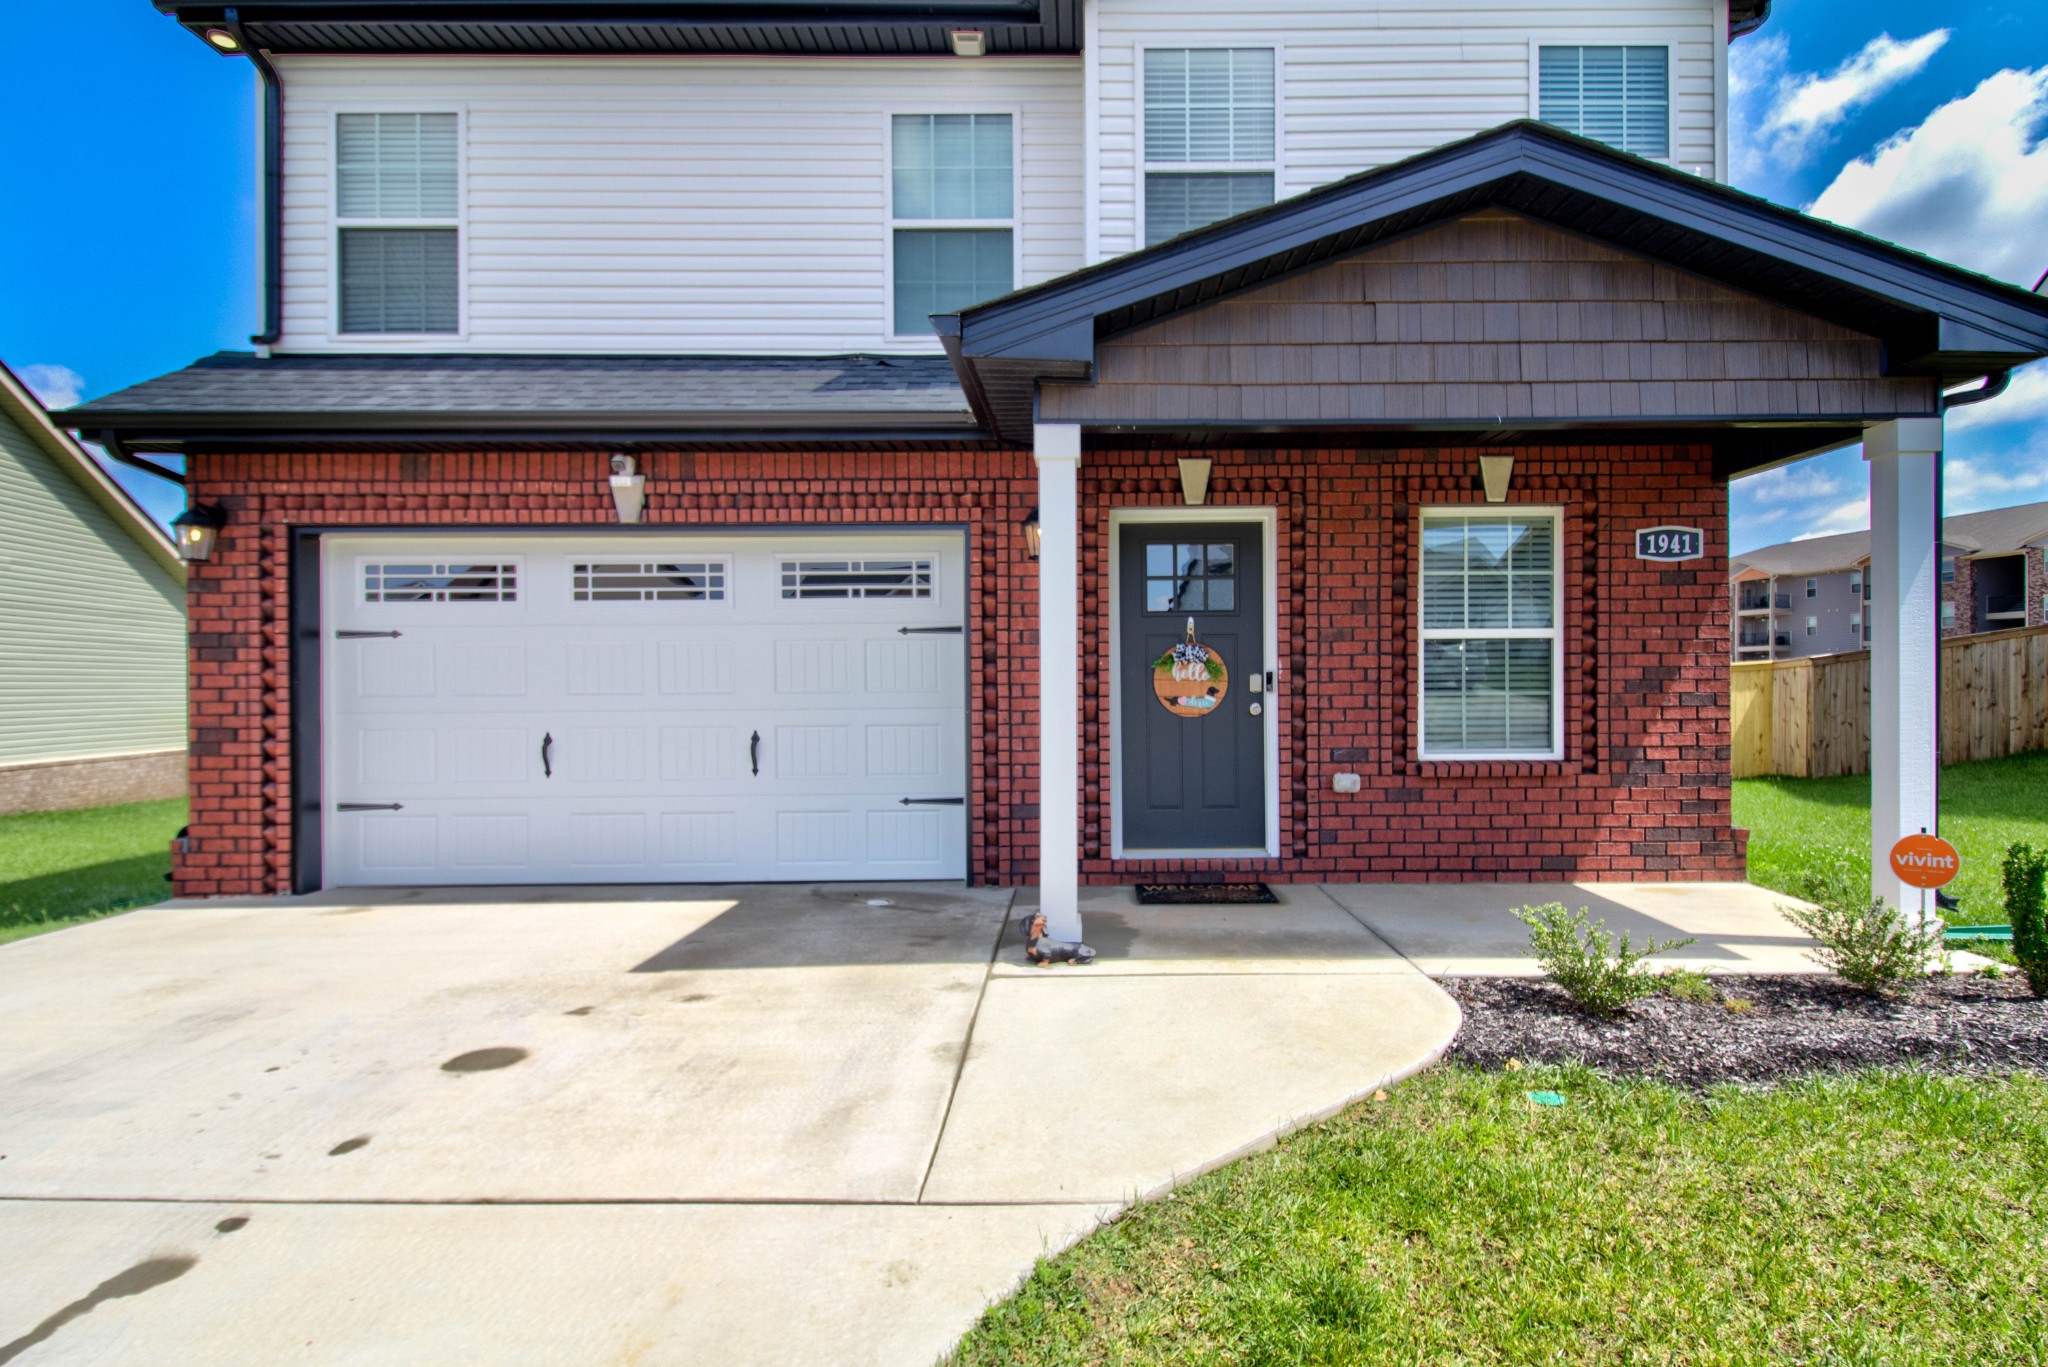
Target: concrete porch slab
column 1468, row 929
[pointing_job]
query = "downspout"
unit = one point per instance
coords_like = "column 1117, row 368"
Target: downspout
column 111, row 444
column 272, row 134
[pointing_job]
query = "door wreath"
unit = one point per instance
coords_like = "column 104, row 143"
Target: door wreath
column 1190, row 679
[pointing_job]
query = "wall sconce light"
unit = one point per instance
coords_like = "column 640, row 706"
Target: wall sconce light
column 629, row 489
column 1494, row 473
column 969, row 42
column 195, row 530
column 1031, row 534
column 223, row 40
column 1194, row 480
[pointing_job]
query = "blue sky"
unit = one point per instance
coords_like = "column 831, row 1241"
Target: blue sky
column 1921, row 124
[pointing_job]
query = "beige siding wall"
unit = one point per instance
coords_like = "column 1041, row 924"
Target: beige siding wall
column 92, row 629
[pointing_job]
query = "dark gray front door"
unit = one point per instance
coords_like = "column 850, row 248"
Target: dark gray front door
column 1193, row 782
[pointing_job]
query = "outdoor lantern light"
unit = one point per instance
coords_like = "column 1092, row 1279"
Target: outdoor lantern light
column 222, row 39
column 1194, row 480
column 629, row 489
column 1031, row 534
column 195, row 529
column 969, row 42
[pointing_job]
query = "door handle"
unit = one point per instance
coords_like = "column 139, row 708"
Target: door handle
column 754, row 753
column 547, row 768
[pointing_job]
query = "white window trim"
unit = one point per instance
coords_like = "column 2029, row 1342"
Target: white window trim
column 1277, row 166
column 1812, row 587
column 600, row 609
column 331, row 113
column 873, row 606
column 1554, row 633
column 929, row 341
column 1269, row 523
column 1668, row 39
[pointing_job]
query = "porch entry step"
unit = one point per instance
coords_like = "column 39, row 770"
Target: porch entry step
column 1205, row 895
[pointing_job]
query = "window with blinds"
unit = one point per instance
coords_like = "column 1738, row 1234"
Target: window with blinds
column 953, row 214
column 396, row 191
column 1490, row 635
column 1211, row 143
column 1618, row 95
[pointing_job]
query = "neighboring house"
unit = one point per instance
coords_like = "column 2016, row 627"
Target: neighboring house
column 1812, row 597
column 658, row 409
column 92, row 627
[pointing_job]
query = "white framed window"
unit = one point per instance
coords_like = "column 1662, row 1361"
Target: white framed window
column 1211, row 136
column 441, row 581
column 641, row 581
column 952, row 214
column 397, row 224
column 1855, row 583
column 1856, row 623
column 1617, row 95
column 1948, row 569
column 1812, row 625
column 868, row 577
column 1813, row 588
column 1492, row 676
column 1948, row 614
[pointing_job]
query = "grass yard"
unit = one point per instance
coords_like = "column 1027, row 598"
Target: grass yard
column 1877, row 1219
column 59, row 868
column 1797, row 824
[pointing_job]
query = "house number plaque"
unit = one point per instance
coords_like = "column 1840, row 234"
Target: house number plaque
column 1670, row 543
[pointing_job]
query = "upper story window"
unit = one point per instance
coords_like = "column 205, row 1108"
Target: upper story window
column 1948, row 569
column 1618, row 95
column 1813, row 588
column 952, row 204
column 396, row 212
column 1210, row 136
column 1491, row 653
column 1856, row 583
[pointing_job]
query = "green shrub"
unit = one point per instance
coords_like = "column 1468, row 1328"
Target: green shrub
column 2026, row 908
column 1835, row 876
column 1582, row 958
column 1686, row 985
column 1870, row 945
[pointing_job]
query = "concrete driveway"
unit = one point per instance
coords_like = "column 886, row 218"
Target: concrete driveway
column 750, row 1125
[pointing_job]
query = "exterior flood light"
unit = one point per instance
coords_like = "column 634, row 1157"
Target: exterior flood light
column 1031, row 535
column 222, row 39
column 629, row 489
column 969, row 42
column 195, row 530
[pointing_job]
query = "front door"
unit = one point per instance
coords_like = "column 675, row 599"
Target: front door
column 1191, row 621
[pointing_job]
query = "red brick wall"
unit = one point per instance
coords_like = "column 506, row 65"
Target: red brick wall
column 1642, row 791
column 2037, row 586
column 1962, row 592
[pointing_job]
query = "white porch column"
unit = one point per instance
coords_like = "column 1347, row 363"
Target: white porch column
column 1905, row 641
column 1057, row 449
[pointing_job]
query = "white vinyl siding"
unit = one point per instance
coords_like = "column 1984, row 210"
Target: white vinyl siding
column 92, row 627
column 1209, row 136
column 705, row 205
column 952, row 192
column 1491, row 639
column 1617, row 95
column 397, row 194
column 1362, row 86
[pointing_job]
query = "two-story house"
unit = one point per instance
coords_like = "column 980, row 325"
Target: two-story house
column 1812, row 597
column 1011, row 440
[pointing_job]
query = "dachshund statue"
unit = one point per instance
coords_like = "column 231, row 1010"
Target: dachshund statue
column 1046, row 952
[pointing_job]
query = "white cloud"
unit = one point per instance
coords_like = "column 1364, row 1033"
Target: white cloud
column 55, row 386
column 1968, row 185
column 1995, row 478
column 1792, row 484
column 2025, row 399
column 1850, row 515
column 1784, row 117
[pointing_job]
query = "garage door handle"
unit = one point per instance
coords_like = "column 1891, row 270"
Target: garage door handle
column 930, row 631
column 547, row 769
column 932, row 802
column 364, row 635
column 369, row 806
column 754, row 753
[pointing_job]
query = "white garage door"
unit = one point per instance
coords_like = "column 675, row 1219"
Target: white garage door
column 644, row 708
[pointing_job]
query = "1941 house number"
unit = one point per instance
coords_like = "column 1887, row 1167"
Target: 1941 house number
column 1670, row 543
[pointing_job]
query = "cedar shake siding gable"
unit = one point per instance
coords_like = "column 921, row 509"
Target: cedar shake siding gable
column 1493, row 318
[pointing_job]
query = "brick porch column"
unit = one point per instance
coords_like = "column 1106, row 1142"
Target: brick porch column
column 1056, row 448
column 1905, row 642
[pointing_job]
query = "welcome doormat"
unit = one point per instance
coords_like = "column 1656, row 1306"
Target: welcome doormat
column 1205, row 895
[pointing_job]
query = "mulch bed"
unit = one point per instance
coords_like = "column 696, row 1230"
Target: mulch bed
column 1794, row 1025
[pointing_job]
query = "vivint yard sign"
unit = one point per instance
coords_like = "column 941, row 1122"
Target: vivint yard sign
column 1670, row 543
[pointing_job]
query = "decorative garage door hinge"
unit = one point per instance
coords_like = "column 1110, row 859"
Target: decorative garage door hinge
column 930, row 631
column 369, row 806
column 932, row 802
column 362, row 635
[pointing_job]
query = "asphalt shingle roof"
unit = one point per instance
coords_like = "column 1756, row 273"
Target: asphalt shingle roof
column 1992, row 532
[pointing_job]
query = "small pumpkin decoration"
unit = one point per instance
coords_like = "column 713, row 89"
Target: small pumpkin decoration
column 1190, row 679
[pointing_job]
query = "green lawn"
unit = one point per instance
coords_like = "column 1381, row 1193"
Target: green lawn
column 58, row 868
column 1879, row 1219
column 1799, row 823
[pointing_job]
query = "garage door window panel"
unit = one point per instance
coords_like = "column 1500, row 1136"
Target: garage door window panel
column 858, row 579
column 443, row 581
column 676, row 581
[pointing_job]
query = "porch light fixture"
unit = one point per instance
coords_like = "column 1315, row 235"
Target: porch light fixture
column 224, row 40
column 196, row 529
column 1031, row 534
column 629, row 489
column 969, row 42
column 1194, row 480
column 1494, row 473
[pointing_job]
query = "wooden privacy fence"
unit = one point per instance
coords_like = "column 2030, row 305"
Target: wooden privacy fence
column 1811, row 718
